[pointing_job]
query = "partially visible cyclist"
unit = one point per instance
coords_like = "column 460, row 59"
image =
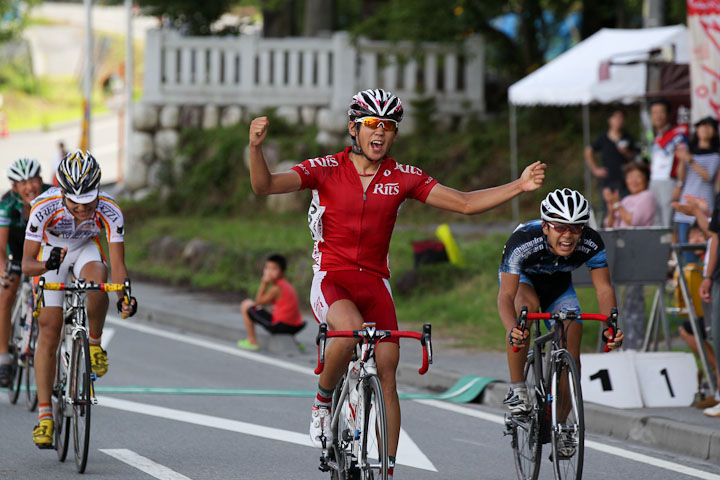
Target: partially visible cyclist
column 27, row 184
column 356, row 195
column 62, row 239
column 535, row 271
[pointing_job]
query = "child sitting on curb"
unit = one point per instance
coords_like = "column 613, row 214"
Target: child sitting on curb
column 275, row 307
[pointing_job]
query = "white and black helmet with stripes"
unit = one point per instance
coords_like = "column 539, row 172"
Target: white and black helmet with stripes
column 23, row 169
column 565, row 206
column 375, row 103
column 78, row 175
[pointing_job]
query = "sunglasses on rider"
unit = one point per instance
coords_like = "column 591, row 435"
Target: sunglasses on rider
column 562, row 228
column 387, row 124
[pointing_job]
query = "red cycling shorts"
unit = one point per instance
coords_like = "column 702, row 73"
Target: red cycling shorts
column 370, row 294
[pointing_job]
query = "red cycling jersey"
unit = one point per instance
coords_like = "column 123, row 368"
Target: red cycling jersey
column 352, row 227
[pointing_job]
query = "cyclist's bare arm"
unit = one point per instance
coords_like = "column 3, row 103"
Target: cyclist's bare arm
column 118, row 270
column 509, row 284
column 4, row 237
column 479, row 201
column 30, row 265
column 606, row 299
column 263, row 182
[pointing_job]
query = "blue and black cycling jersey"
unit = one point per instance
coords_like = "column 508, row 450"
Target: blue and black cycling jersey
column 526, row 253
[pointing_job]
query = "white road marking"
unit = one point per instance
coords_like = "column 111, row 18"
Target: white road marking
column 211, row 345
column 143, row 464
column 407, row 448
column 408, row 455
column 619, row 452
column 107, row 335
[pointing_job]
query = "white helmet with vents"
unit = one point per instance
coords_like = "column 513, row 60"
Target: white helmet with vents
column 78, row 175
column 375, row 103
column 23, row 169
column 565, row 206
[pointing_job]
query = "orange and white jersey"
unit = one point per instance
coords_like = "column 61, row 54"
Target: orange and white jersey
column 50, row 223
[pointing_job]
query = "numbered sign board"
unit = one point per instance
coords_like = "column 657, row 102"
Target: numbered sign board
column 609, row 379
column 667, row 379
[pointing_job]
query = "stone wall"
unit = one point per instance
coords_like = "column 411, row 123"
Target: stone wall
column 156, row 135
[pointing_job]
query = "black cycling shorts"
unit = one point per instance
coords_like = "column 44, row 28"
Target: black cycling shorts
column 264, row 318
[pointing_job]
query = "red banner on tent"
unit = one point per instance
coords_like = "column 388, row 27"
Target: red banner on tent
column 704, row 24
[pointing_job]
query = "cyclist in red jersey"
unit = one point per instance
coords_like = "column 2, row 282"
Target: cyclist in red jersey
column 356, row 195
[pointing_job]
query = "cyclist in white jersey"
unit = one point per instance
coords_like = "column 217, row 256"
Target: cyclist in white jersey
column 61, row 239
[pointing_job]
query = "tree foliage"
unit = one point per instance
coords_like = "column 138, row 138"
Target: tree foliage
column 13, row 17
column 192, row 17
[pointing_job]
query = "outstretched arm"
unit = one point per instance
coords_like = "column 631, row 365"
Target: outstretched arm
column 481, row 200
column 606, row 300
column 263, row 182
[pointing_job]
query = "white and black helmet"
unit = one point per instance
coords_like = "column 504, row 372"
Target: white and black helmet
column 375, row 103
column 565, row 206
column 78, row 175
column 23, row 169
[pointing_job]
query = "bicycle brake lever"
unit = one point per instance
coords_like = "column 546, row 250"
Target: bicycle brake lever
column 521, row 325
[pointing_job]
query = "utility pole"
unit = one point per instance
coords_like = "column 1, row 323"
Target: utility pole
column 87, row 85
column 653, row 13
column 128, row 88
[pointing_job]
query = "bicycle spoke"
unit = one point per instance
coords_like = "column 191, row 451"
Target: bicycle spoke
column 62, row 423
column 525, row 431
column 373, row 454
column 82, row 400
column 568, row 434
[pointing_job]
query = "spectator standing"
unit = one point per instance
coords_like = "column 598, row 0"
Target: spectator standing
column 61, row 153
column 635, row 210
column 275, row 308
column 696, row 172
column 669, row 141
column 616, row 148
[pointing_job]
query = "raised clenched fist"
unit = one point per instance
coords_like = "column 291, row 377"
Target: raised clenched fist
column 258, row 131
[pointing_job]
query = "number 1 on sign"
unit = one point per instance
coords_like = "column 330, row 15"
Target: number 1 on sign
column 664, row 372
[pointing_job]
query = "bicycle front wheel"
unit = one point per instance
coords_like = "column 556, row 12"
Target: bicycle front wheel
column 18, row 323
column 373, row 434
column 568, row 419
column 62, row 423
column 80, row 385
column 525, row 429
column 31, row 399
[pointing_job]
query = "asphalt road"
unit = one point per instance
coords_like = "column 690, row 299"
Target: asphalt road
column 180, row 436
column 43, row 146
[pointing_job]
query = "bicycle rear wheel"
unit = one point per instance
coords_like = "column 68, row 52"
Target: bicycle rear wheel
column 31, row 399
column 568, row 419
column 62, row 423
column 373, row 434
column 525, row 429
column 80, row 386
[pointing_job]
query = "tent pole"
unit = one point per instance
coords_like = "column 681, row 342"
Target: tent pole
column 514, row 161
column 586, row 141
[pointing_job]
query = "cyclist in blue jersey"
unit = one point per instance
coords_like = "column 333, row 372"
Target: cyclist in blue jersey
column 535, row 271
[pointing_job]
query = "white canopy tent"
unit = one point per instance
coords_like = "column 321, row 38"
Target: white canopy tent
column 574, row 78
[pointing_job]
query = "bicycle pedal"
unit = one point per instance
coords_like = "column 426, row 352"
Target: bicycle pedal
column 46, row 447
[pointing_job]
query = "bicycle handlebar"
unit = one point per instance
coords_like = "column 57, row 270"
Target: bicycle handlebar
column 610, row 321
column 372, row 335
column 82, row 286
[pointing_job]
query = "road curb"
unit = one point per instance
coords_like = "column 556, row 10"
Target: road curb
column 659, row 432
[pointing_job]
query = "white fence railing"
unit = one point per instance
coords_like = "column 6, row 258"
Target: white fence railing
column 259, row 72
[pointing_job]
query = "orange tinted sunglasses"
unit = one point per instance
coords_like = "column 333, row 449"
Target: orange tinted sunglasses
column 564, row 227
column 387, row 124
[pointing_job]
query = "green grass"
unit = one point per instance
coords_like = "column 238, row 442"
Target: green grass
column 460, row 302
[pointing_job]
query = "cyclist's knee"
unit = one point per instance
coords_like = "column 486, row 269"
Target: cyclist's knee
column 94, row 272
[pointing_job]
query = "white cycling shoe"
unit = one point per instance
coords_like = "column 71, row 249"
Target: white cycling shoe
column 320, row 427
